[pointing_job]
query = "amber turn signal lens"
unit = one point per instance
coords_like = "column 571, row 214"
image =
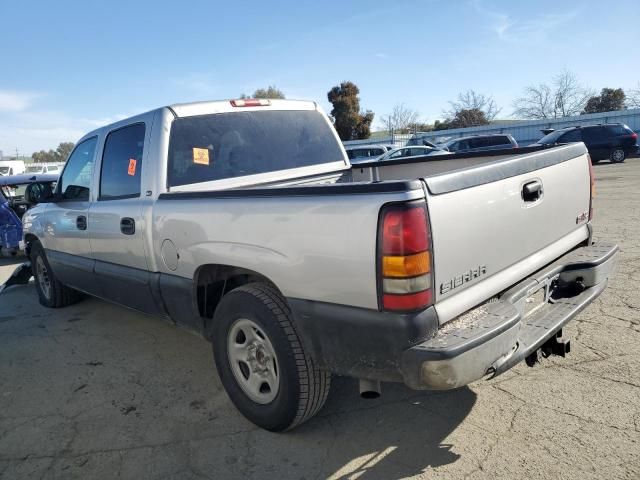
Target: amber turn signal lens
column 406, row 266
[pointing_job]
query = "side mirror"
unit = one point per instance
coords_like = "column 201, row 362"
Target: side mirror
column 38, row 193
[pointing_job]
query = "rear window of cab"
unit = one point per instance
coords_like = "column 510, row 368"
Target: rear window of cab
column 227, row 145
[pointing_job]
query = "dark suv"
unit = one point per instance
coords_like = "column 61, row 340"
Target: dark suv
column 614, row 141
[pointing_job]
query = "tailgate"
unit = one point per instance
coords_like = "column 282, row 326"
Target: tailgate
column 495, row 224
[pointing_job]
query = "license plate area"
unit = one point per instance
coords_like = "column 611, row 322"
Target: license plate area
column 538, row 297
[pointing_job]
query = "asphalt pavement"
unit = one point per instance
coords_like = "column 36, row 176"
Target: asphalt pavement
column 98, row 391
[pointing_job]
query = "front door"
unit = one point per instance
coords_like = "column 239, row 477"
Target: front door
column 65, row 220
column 116, row 221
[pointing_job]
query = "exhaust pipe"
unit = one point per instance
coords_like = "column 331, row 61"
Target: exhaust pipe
column 369, row 389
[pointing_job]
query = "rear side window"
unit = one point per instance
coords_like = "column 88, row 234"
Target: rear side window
column 364, row 152
column 122, row 163
column 75, row 181
column 480, row 142
column 620, row 130
column 571, row 136
column 498, row 140
column 228, row 145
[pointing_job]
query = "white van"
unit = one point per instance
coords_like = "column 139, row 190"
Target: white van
column 44, row 168
column 11, row 167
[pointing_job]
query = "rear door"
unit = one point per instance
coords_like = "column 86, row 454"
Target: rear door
column 116, row 223
column 491, row 226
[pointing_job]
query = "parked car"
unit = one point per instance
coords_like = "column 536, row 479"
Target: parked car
column 11, row 167
column 420, row 140
column 480, row 143
column 414, row 151
column 365, row 153
column 44, row 168
column 17, row 195
column 244, row 221
column 614, row 141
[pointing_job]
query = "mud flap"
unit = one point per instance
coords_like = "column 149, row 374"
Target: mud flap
column 20, row 276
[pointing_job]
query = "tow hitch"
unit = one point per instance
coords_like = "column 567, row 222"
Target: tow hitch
column 556, row 345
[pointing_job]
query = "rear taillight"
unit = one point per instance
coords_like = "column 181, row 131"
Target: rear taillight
column 634, row 135
column 404, row 258
column 592, row 183
column 251, row 102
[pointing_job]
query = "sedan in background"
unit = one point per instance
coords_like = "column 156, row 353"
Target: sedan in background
column 366, row 153
column 414, row 151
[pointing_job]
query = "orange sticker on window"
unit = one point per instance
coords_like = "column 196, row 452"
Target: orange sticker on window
column 201, row 156
column 132, row 167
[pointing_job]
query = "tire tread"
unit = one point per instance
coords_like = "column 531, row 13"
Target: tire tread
column 314, row 382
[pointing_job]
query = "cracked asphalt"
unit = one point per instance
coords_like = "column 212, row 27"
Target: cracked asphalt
column 98, row 391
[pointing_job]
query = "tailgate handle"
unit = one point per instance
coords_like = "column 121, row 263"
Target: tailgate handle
column 532, row 191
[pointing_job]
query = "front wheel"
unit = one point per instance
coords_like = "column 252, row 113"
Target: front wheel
column 618, row 155
column 261, row 361
column 51, row 292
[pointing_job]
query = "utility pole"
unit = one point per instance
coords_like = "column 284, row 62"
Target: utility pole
column 17, row 154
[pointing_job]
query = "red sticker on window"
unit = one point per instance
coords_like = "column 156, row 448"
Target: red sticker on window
column 132, row 166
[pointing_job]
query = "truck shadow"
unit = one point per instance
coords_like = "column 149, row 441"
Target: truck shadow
column 401, row 434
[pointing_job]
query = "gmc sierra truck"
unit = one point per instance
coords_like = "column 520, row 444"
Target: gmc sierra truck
column 244, row 221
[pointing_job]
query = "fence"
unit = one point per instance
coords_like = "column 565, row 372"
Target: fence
column 525, row 132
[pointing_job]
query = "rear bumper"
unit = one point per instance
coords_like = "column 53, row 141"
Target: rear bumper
column 496, row 336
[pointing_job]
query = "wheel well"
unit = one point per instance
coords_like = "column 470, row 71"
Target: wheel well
column 214, row 281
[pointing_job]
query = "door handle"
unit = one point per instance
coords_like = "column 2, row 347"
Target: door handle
column 532, row 191
column 127, row 226
column 81, row 222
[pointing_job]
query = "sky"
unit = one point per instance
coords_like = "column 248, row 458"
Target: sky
column 69, row 67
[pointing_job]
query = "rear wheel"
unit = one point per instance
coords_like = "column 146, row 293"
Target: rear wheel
column 618, row 155
column 261, row 361
column 51, row 292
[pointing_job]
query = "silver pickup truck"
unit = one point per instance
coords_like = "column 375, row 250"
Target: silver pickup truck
column 244, row 221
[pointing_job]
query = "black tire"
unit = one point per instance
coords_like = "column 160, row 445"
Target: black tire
column 303, row 388
column 57, row 295
column 618, row 155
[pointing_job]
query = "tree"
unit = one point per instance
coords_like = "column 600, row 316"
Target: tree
column 350, row 122
column 633, row 97
column 401, row 119
column 270, row 92
column 472, row 100
column 58, row 155
column 472, row 117
column 63, row 151
column 563, row 98
column 610, row 99
column 363, row 129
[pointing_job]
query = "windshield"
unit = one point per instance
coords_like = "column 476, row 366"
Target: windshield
column 219, row 146
column 551, row 137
